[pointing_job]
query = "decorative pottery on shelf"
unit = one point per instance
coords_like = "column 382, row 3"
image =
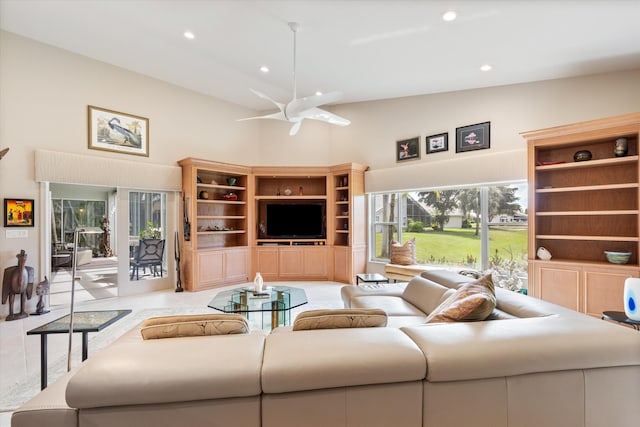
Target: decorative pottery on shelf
column 632, row 298
column 231, row 196
column 203, row 195
column 231, row 181
column 287, row 191
column 617, row 257
column 621, row 147
column 582, row 155
column 543, row 253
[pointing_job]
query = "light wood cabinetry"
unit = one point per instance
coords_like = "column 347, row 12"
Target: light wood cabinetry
column 579, row 209
column 230, row 238
column 340, row 191
column 216, row 251
column 349, row 225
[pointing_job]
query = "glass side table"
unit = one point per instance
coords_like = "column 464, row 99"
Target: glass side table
column 85, row 322
column 620, row 317
column 275, row 303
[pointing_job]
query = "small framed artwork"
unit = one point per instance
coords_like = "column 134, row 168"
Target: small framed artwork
column 437, row 143
column 18, row 213
column 473, row 137
column 120, row 132
column 408, row 149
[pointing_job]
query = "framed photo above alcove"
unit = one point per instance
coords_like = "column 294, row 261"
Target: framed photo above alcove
column 437, row 143
column 473, row 137
column 408, row 149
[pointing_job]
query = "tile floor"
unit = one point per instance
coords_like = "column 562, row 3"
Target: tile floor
column 20, row 354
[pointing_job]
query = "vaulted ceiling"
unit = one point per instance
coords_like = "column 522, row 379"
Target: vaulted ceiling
column 369, row 49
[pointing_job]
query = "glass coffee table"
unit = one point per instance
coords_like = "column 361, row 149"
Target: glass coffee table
column 274, row 303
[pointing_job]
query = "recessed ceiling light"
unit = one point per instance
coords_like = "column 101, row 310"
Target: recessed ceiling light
column 189, row 35
column 264, row 69
column 449, row 15
column 318, row 93
column 485, row 67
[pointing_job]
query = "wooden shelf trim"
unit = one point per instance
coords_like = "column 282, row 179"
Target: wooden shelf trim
column 583, row 262
column 221, row 217
column 221, row 186
column 589, row 213
column 585, row 237
column 589, row 163
column 205, row 233
column 292, row 197
column 601, row 187
column 222, row 201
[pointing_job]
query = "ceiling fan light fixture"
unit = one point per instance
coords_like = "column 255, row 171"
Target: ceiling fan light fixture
column 298, row 109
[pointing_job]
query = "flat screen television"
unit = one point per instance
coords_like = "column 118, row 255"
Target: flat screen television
column 295, row 221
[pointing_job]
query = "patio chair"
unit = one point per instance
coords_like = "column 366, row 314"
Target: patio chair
column 149, row 253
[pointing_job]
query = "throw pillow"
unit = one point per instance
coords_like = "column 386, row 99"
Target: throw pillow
column 193, row 325
column 472, row 301
column 340, row 318
column 403, row 254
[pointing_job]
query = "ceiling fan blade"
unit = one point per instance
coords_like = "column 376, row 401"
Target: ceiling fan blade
column 325, row 116
column 276, row 116
column 295, row 128
column 308, row 102
column 280, row 105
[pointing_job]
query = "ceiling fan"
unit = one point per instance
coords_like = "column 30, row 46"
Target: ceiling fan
column 299, row 109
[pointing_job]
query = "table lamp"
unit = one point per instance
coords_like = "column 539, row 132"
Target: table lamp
column 76, row 234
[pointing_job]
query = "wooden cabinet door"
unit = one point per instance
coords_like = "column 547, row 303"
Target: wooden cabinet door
column 210, row 268
column 342, row 264
column 291, row 262
column 267, row 262
column 315, row 262
column 236, row 265
column 604, row 289
column 560, row 284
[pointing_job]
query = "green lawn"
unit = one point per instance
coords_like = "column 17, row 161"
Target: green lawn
column 453, row 246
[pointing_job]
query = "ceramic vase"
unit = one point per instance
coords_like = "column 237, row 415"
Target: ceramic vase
column 632, row 298
column 258, row 283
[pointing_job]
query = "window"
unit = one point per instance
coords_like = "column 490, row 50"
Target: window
column 69, row 214
column 450, row 229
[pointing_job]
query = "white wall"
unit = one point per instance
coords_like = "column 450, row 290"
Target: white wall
column 45, row 93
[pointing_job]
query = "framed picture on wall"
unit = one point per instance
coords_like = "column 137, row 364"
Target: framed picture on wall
column 120, row 132
column 408, row 149
column 437, row 143
column 473, row 137
column 18, row 213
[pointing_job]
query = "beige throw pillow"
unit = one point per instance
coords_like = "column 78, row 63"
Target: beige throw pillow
column 472, row 301
column 340, row 318
column 193, row 325
column 403, row 254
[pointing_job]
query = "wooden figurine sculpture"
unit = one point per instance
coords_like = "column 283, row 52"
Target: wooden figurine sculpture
column 42, row 290
column 18, row 280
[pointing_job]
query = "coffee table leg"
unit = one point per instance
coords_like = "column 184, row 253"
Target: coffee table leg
column 43, row 361
column 85, row 345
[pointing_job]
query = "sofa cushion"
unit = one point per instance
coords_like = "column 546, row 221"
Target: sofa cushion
column 473, row 301
column 447, row 278
column 392, row 305
column 193, row 325
column 403, row 254
column 425, row 294
column 340, row 318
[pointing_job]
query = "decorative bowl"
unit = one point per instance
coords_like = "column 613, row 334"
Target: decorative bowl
column 231, row 181
column 582, row 155
column 617, row 257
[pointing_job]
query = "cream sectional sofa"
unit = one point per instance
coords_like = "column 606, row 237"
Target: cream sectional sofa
column 536, row 364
